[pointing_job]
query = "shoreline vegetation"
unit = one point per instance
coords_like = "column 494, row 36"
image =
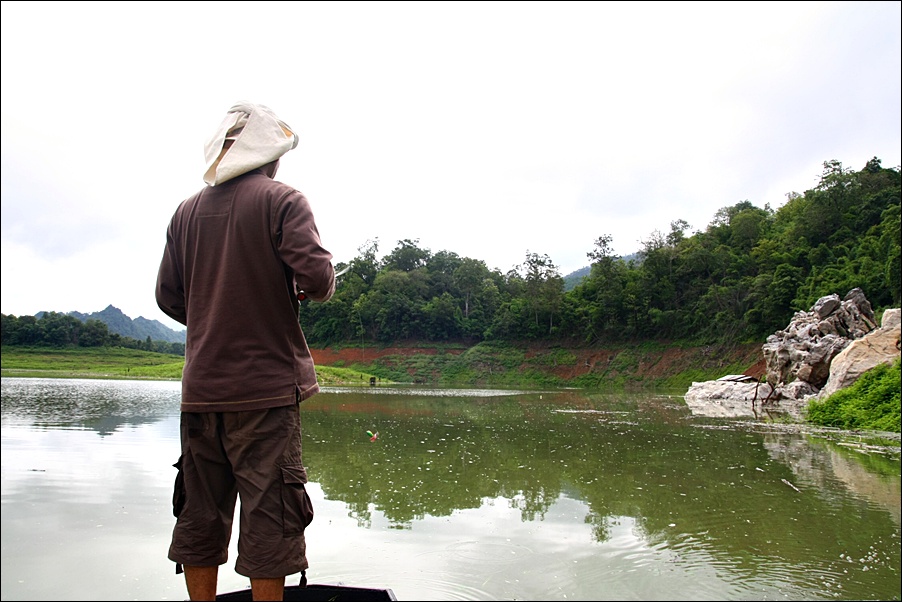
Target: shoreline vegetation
column 644, row 367
column 121, row 364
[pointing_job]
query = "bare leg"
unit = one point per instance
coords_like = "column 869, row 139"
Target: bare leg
column 268, row 589
column 201, row 582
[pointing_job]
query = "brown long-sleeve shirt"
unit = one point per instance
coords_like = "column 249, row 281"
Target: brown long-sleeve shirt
column 234, row 254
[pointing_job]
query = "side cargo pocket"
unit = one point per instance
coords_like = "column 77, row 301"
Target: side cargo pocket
column 297, row 509
column 178, row 492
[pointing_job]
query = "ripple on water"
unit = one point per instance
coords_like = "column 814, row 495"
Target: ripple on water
column 444, row 574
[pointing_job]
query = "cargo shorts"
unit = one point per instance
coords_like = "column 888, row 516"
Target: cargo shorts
column 254, row 457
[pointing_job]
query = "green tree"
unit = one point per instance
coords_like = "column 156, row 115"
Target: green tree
column 59, row 330
column 407, row 256
column 468, row 278
column 595, row 308
column 441, row 267
column 94, row 333
column 543, row 287
column 442, row 318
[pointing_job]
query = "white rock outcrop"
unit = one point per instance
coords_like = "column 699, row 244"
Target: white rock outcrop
column 727, row 397
column 818, row 353
column 881, row 346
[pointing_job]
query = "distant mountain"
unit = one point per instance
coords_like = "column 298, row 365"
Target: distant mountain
column 574, row 278
column 140, row 328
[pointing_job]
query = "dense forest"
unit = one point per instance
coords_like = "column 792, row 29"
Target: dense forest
column 738, row 280
column 55, row 329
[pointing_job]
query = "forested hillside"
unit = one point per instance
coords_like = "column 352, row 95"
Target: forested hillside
column 55, row 329
column 740, row 278
column 737, row 280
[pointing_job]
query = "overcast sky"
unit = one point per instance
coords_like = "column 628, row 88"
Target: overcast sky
column 490, row 130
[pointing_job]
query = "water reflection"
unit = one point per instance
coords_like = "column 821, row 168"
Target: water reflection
column 104, row 406
column 873, row 479
column 468, row 494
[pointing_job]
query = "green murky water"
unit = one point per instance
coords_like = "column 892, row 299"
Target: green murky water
column 465, row 494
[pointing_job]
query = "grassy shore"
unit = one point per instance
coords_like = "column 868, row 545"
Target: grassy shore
column 120, row 363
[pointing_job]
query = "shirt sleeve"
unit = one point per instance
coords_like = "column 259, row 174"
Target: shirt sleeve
column 301, row 248
column 170, row 291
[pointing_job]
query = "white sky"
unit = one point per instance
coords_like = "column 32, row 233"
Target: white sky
column 488, row 129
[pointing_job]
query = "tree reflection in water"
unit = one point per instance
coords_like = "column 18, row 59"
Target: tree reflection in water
column 470, row 493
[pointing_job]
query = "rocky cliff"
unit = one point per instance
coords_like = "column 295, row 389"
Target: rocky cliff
column 821, row 351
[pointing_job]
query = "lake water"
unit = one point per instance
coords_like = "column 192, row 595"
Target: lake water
column 466, row 494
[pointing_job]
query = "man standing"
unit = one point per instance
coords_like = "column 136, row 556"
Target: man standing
column 237, row 254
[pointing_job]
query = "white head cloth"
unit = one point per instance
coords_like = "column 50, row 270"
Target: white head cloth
column 259, row 138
